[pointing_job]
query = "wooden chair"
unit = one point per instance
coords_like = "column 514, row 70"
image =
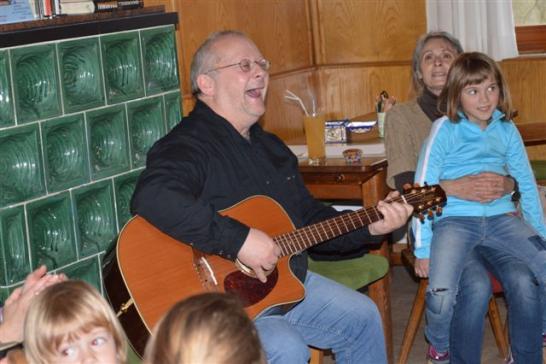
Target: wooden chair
column 418, row 308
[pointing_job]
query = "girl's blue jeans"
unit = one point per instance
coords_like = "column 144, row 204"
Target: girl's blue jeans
column 330, row 316
column 506, row 243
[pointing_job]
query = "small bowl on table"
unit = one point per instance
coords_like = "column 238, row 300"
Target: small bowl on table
column 352, row 155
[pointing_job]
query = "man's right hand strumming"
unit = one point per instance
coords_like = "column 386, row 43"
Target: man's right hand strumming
column 260, row 253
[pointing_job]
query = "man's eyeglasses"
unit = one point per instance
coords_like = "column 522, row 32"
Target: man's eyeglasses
column 246, row 65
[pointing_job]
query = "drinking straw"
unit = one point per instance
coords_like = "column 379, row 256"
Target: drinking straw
column 292, row 96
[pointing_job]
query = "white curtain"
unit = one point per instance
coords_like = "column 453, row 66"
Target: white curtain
column 481, row 25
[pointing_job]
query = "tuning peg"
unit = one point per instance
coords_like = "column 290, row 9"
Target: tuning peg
column 421, row 217
column 439, row 211
column 430, row 214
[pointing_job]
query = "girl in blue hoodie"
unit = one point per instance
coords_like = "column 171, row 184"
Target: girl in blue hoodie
column 476, row 136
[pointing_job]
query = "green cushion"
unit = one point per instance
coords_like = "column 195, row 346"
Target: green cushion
column 539, row 168
column 353, row 273
column 132, row 357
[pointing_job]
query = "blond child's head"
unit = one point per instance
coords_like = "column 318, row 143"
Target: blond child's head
column 473, row 68
column 71, row 321
column 206, row 328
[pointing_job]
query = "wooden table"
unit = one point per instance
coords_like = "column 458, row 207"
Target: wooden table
column 333, row 179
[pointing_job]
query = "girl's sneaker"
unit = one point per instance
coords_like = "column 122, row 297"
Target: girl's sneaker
column 434, row 357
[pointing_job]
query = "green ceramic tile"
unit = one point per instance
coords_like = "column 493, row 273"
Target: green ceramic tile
column 108, row 145
column 125, row 186
column 85, row 270
column 122, row 66
column 81, row 74
column 65, row 152
column 21, row 175
column 4, row 293
column 6, row 103
column 160, row 60
column 146, row 125
column 51, row 231
column 36, row 82
column 15, row 257
column 95, row 217
column 173, row 110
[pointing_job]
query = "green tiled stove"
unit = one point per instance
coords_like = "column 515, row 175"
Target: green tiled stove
column 81, row 102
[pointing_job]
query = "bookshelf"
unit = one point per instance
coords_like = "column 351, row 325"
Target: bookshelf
column 71, row 26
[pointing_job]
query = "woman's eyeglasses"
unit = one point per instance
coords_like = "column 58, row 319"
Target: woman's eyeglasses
column 246, row 65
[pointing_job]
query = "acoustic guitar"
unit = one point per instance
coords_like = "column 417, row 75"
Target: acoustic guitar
column 152, row 271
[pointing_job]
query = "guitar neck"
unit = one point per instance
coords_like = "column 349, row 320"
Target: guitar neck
column 301, row 239
column 421, row 198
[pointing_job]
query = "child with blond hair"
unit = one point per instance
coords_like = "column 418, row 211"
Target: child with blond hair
column 70, row 322
column 206, row 328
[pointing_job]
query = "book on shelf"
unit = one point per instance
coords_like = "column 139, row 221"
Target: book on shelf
column 110, row 5
column 79, row 7
column 13, row 11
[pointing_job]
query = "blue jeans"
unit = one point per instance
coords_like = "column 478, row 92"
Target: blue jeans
column 330, row 316
column 520, row 289
column 472, row 303
column 525, row 305
column 454, row 238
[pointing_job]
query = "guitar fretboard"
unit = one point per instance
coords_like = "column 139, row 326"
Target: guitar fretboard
column 298, row 240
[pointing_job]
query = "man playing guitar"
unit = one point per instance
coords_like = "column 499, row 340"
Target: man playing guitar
column 219, row 156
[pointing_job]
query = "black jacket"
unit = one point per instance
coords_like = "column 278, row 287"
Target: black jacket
column 204, row 165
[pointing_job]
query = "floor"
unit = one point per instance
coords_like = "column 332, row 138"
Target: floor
column 403, row 289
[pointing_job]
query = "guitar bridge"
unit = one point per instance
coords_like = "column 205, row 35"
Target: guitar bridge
column 204, row 271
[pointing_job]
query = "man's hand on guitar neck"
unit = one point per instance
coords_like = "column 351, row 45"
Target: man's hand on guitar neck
column 259, row 253
column 395, row 215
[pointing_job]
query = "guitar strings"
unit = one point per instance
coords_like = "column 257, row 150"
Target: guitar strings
column 300, row 239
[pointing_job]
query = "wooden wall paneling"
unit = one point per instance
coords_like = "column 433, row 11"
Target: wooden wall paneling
column 170, row 5
column 284, row 117
column 352, row 90
column 526, row 77
column 342, row 92
column 280, row 29
column 355, row 31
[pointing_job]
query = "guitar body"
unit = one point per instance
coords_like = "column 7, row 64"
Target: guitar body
column 152, row 271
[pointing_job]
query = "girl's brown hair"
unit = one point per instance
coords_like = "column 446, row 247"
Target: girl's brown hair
column 473, row 68
column 64, row 311
column 206, row 328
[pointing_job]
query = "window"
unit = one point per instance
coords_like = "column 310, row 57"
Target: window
column 530, row 19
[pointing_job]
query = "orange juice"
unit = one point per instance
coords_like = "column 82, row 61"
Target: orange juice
column 314, row 136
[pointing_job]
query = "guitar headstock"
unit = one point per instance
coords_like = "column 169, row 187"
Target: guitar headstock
column 425, row 198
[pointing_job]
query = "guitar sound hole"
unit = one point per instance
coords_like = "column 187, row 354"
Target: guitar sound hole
column 250, row 290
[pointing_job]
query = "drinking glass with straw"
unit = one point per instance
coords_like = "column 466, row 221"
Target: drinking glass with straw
column 314, row 128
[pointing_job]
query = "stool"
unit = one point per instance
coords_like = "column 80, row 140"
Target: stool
column 354, row 273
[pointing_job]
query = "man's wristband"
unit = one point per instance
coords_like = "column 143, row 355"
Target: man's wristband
column 515, row 193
